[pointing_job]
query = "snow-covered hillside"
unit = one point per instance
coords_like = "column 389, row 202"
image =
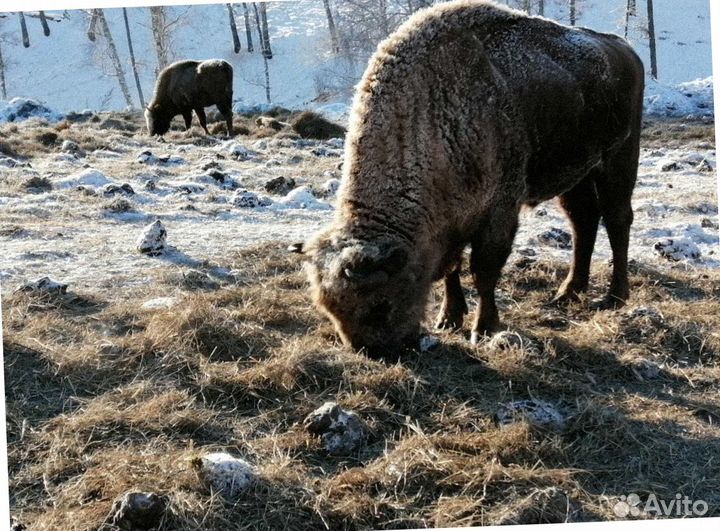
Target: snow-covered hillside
column 68, row 72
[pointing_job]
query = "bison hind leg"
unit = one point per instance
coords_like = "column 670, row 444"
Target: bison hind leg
column 454, row 307
column 581, row 207
column 226, row 111
column 615, row 187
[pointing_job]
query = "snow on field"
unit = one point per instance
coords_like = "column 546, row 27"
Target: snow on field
column 85, row 230
column 68, row 72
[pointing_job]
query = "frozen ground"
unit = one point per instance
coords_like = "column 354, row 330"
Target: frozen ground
column 81, row 226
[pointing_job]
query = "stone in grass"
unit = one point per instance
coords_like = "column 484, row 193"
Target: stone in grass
column 646, row 312
column 69, row 146
column 225, row 473
column 246, row 199
column 43, row 286
column 342, row 432
column 647, row 370
column 137, row 510
column 677, row 249
column 195, row 279
column 556, row 238
column 507, row 339
column 280, row 185
column 152, row 239
column 330, row 187
column 428, row 342
column 708, row 223
column 536, row 412
column 549, row 505
column 112, row 189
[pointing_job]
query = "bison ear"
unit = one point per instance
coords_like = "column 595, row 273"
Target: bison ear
column 375, row 264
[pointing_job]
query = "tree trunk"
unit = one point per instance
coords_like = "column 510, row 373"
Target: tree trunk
column 572, row 13
column 630, row 11
column 248, row 30
column 93, row 25
column 157, row 19
column 541, row 8
column 132, row 59
column 3, row 88
column 264, row 54
column 526, row 6
column 651, row 37
column 267, row 52
column 333, row 29
column 43, row 21
column 114, row 57
column 24, row 31
column 233, row 29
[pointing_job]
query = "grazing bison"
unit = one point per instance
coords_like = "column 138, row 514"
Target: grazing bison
column 188, row 86
column 466, row 113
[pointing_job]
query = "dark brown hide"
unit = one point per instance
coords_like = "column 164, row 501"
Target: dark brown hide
column 188, row 86
column 466, row 113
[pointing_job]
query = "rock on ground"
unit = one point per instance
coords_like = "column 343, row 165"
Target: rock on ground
column 506, row 339
column 152, row 239
column 247, row 199
column 676, row 249
column 137, row 510
column 536, row 412
column 45, row 285
column 342, row 432
column 556, row 238
column 225, row 473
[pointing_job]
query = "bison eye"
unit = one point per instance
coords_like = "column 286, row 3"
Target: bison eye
column 377, row 315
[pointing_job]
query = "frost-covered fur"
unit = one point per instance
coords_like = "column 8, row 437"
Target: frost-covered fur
column 190, row 85
column 467, row 112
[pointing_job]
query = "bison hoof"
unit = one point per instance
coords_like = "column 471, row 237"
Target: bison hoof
column 608, row 302
column 448, row 323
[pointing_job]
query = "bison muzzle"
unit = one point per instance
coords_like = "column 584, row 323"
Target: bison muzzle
column 465, row 114
column 188, row 86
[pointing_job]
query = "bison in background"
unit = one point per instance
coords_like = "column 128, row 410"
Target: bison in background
column 466, row 113
column 188, row 86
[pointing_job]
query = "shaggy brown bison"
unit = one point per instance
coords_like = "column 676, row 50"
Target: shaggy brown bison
column 466, row 113
column 190, row 85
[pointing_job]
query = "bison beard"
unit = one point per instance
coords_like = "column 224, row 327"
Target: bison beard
column 466, row 113
column 188, row 86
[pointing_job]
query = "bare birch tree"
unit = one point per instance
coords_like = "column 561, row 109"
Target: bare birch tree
column 651, row 39
column 267, row 51
column 233, row 29
column 264, row 54
column 132, row 58
column 248, row 30
column 92, row 26
column 333, row 29
column 114, row 57
column 573, row 13
column 23, row 30
column 3, row 87
column 43, row 21
column 159, row 30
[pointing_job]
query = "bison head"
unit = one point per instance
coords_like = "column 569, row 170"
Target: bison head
column 156, row 120
column 370, row 290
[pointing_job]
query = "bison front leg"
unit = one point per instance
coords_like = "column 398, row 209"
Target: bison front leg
column 490, row 250
column 203, row 119
column 581, row 206
column 454, row 306
column 187, row 116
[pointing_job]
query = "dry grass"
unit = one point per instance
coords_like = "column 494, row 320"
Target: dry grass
column 103, row 397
